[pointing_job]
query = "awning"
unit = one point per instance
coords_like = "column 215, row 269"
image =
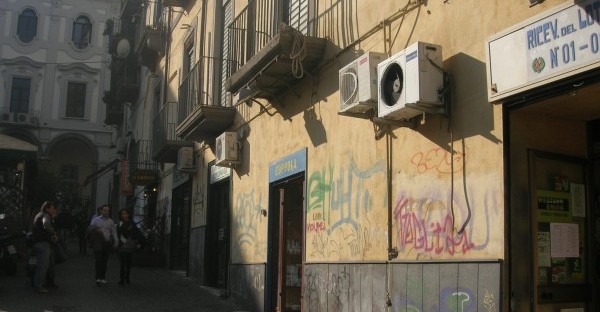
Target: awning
column 13, row 149
column 9, row 143
column 100, row 172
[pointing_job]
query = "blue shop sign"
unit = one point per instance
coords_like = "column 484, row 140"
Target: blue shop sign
column 288, row 166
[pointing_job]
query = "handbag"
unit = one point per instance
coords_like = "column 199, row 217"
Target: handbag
column 129, row 246
column 60, row 255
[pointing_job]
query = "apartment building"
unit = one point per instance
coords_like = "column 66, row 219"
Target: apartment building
column 53, row 74
column 362, row 156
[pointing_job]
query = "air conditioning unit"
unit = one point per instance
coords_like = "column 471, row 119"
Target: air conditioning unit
column 22, row 117
column 411, row 82
column 358, row 83
column 185, row 159
column 227, row 149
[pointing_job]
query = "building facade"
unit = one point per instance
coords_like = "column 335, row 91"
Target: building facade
column 352, row 156
column 53, row 65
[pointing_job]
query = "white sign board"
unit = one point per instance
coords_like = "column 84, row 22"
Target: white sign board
column 556, row 44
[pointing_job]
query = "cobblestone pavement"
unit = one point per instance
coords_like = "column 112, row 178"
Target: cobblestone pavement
column 151, row 289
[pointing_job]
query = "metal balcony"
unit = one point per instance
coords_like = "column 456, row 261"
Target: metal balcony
column 272, row 56
column 130, row 6
column 17, row 117
column 202, row 116
column 150, row 37
column 165, row 142
column 175, row 3
column 115, row 110
column 143, row 169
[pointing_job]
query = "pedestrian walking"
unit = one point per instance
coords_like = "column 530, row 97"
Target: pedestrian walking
column 65, row 223
column 43, row 236
column 103, row 237
column 130, row 239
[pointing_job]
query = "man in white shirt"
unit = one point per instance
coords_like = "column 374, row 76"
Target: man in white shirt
column 103, row 235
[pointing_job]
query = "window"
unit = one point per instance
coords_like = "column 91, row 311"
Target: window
column 19, row 95
column 75, row 100
column 27, row 25
column 82, row 32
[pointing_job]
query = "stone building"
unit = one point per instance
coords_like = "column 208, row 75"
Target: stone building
column 373, row 156
column 53, row 74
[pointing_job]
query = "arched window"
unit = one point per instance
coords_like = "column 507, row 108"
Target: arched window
column 27, row 25
column 82, row 32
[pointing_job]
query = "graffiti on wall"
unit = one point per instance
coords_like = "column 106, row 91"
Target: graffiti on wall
column 165, row 208
column 451, row 299
column 334, row 285
column 339, row 207
column 439, row 160
column 431, row 222
column 198, row 206
column 245, row 283
column 247, row 216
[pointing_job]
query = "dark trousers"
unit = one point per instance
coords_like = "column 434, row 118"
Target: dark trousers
column 101, row 263
column 125, row 266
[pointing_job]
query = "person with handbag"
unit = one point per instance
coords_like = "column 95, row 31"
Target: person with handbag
column 43, row 236
column 102, row 235
column 130, row 237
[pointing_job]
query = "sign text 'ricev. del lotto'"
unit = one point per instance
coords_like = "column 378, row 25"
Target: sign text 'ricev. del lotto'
column 563, row 40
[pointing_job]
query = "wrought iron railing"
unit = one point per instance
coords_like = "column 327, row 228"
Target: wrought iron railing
column 201, row 86
column 148, row 21
column 252, row 29
column 20, row 116
column 165, row 124
column 142, row 156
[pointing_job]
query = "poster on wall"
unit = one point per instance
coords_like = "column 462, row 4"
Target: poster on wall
column 553, row 206
column 543, row 244
column 564, row 240
column 578, row 200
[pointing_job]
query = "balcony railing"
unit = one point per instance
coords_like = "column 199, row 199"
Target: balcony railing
column 27, row 117
column 144, row 170
column 150, row 35
column 202, row 114
column 115, row 110
column 130, row 6
column 263, row 40
column 165, row 142
column 252, row 29
column 201, row 86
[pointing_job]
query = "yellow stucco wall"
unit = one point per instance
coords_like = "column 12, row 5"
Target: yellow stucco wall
column 446, row 199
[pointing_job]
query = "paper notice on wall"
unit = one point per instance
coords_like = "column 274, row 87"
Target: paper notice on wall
column 564, row 240
column 577, row 200
column 543, row 244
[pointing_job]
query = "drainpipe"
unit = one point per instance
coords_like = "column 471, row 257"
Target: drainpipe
column 167, row 52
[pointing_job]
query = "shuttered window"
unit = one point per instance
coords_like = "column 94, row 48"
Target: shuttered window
column 298, row 15
column 75, row 100
column 226, row 64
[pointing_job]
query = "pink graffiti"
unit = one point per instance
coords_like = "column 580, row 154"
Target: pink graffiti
column 428, row 236
column 438, row 159
column 316, row 227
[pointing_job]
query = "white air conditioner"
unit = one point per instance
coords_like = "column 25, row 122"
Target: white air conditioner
column 358, row 83
column 185, row 159
column 227, row 149
column 409, row 83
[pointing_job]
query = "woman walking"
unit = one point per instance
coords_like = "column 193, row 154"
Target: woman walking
column 130, row 237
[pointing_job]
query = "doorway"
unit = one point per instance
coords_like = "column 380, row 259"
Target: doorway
column 217, row 246
column 553, row 152
column 286, row 245
column 180, row 227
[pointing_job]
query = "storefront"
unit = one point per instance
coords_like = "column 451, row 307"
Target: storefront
column 545, row 73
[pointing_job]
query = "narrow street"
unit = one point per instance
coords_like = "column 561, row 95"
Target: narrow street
column 151, row 289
